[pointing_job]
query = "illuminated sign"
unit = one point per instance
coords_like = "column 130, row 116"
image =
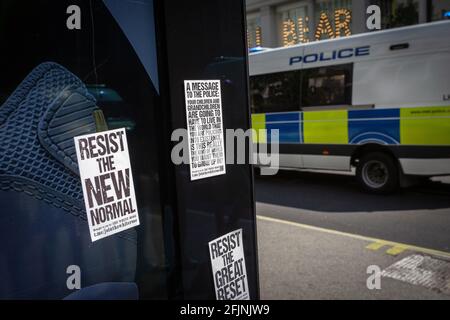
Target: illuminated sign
column 298, row 31
column 254, row 38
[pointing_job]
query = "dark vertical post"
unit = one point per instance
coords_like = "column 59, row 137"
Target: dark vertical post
column 429, row 10
column 204, row 40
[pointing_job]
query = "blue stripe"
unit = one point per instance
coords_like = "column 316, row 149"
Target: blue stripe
column 289, row 132
column 374, row 113
column 291, row 116
column 387, row 131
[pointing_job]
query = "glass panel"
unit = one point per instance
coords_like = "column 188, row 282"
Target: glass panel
column 43, row 227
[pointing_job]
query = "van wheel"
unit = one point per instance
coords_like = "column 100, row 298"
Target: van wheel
column 378, row 172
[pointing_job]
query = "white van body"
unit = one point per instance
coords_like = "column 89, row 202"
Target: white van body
column 398, row 78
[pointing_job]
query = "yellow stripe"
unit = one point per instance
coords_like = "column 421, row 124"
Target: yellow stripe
column 425, row 126
column 396, row 250
column 259, row 126
column 375, row 245
column 325, row 126
column 356, row 236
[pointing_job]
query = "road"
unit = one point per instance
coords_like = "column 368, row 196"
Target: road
column 318, row 233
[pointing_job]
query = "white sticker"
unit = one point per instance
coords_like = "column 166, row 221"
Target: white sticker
column 228, row 267
column 205, row 128
column 107, row 181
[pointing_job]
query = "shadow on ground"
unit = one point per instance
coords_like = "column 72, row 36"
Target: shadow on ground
column 340, row 193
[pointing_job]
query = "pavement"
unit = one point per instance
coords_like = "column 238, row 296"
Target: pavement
column 302, row 264
column 319, row 234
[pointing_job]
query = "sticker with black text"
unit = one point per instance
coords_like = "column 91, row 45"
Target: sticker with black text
column 228, row 267
column 107, row 182
column 205, row 128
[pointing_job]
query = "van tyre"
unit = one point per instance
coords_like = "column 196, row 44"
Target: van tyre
column 378, row 172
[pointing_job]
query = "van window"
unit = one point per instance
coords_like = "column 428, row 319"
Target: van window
column 276, row 92
column 299, row 90
column 327, row 86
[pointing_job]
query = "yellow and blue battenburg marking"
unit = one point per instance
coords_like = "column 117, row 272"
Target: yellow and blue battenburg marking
column 425, row 126
column 405, row 126
column 379, row 125
column 288, row 124
column 325, row 127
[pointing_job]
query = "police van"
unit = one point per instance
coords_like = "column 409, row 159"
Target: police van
column 377, row 102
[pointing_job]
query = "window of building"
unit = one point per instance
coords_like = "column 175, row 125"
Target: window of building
column 276, row 92
column 254, row 32
column 440, row 10
column 398, row 13
column 327, row 86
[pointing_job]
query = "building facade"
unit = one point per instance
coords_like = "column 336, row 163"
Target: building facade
column 279, row 23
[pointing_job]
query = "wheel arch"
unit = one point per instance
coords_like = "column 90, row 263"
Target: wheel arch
column 361, row 150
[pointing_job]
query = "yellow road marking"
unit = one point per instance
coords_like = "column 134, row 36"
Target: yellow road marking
column 375, row 245
column 356, row 236
column 396, row 250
